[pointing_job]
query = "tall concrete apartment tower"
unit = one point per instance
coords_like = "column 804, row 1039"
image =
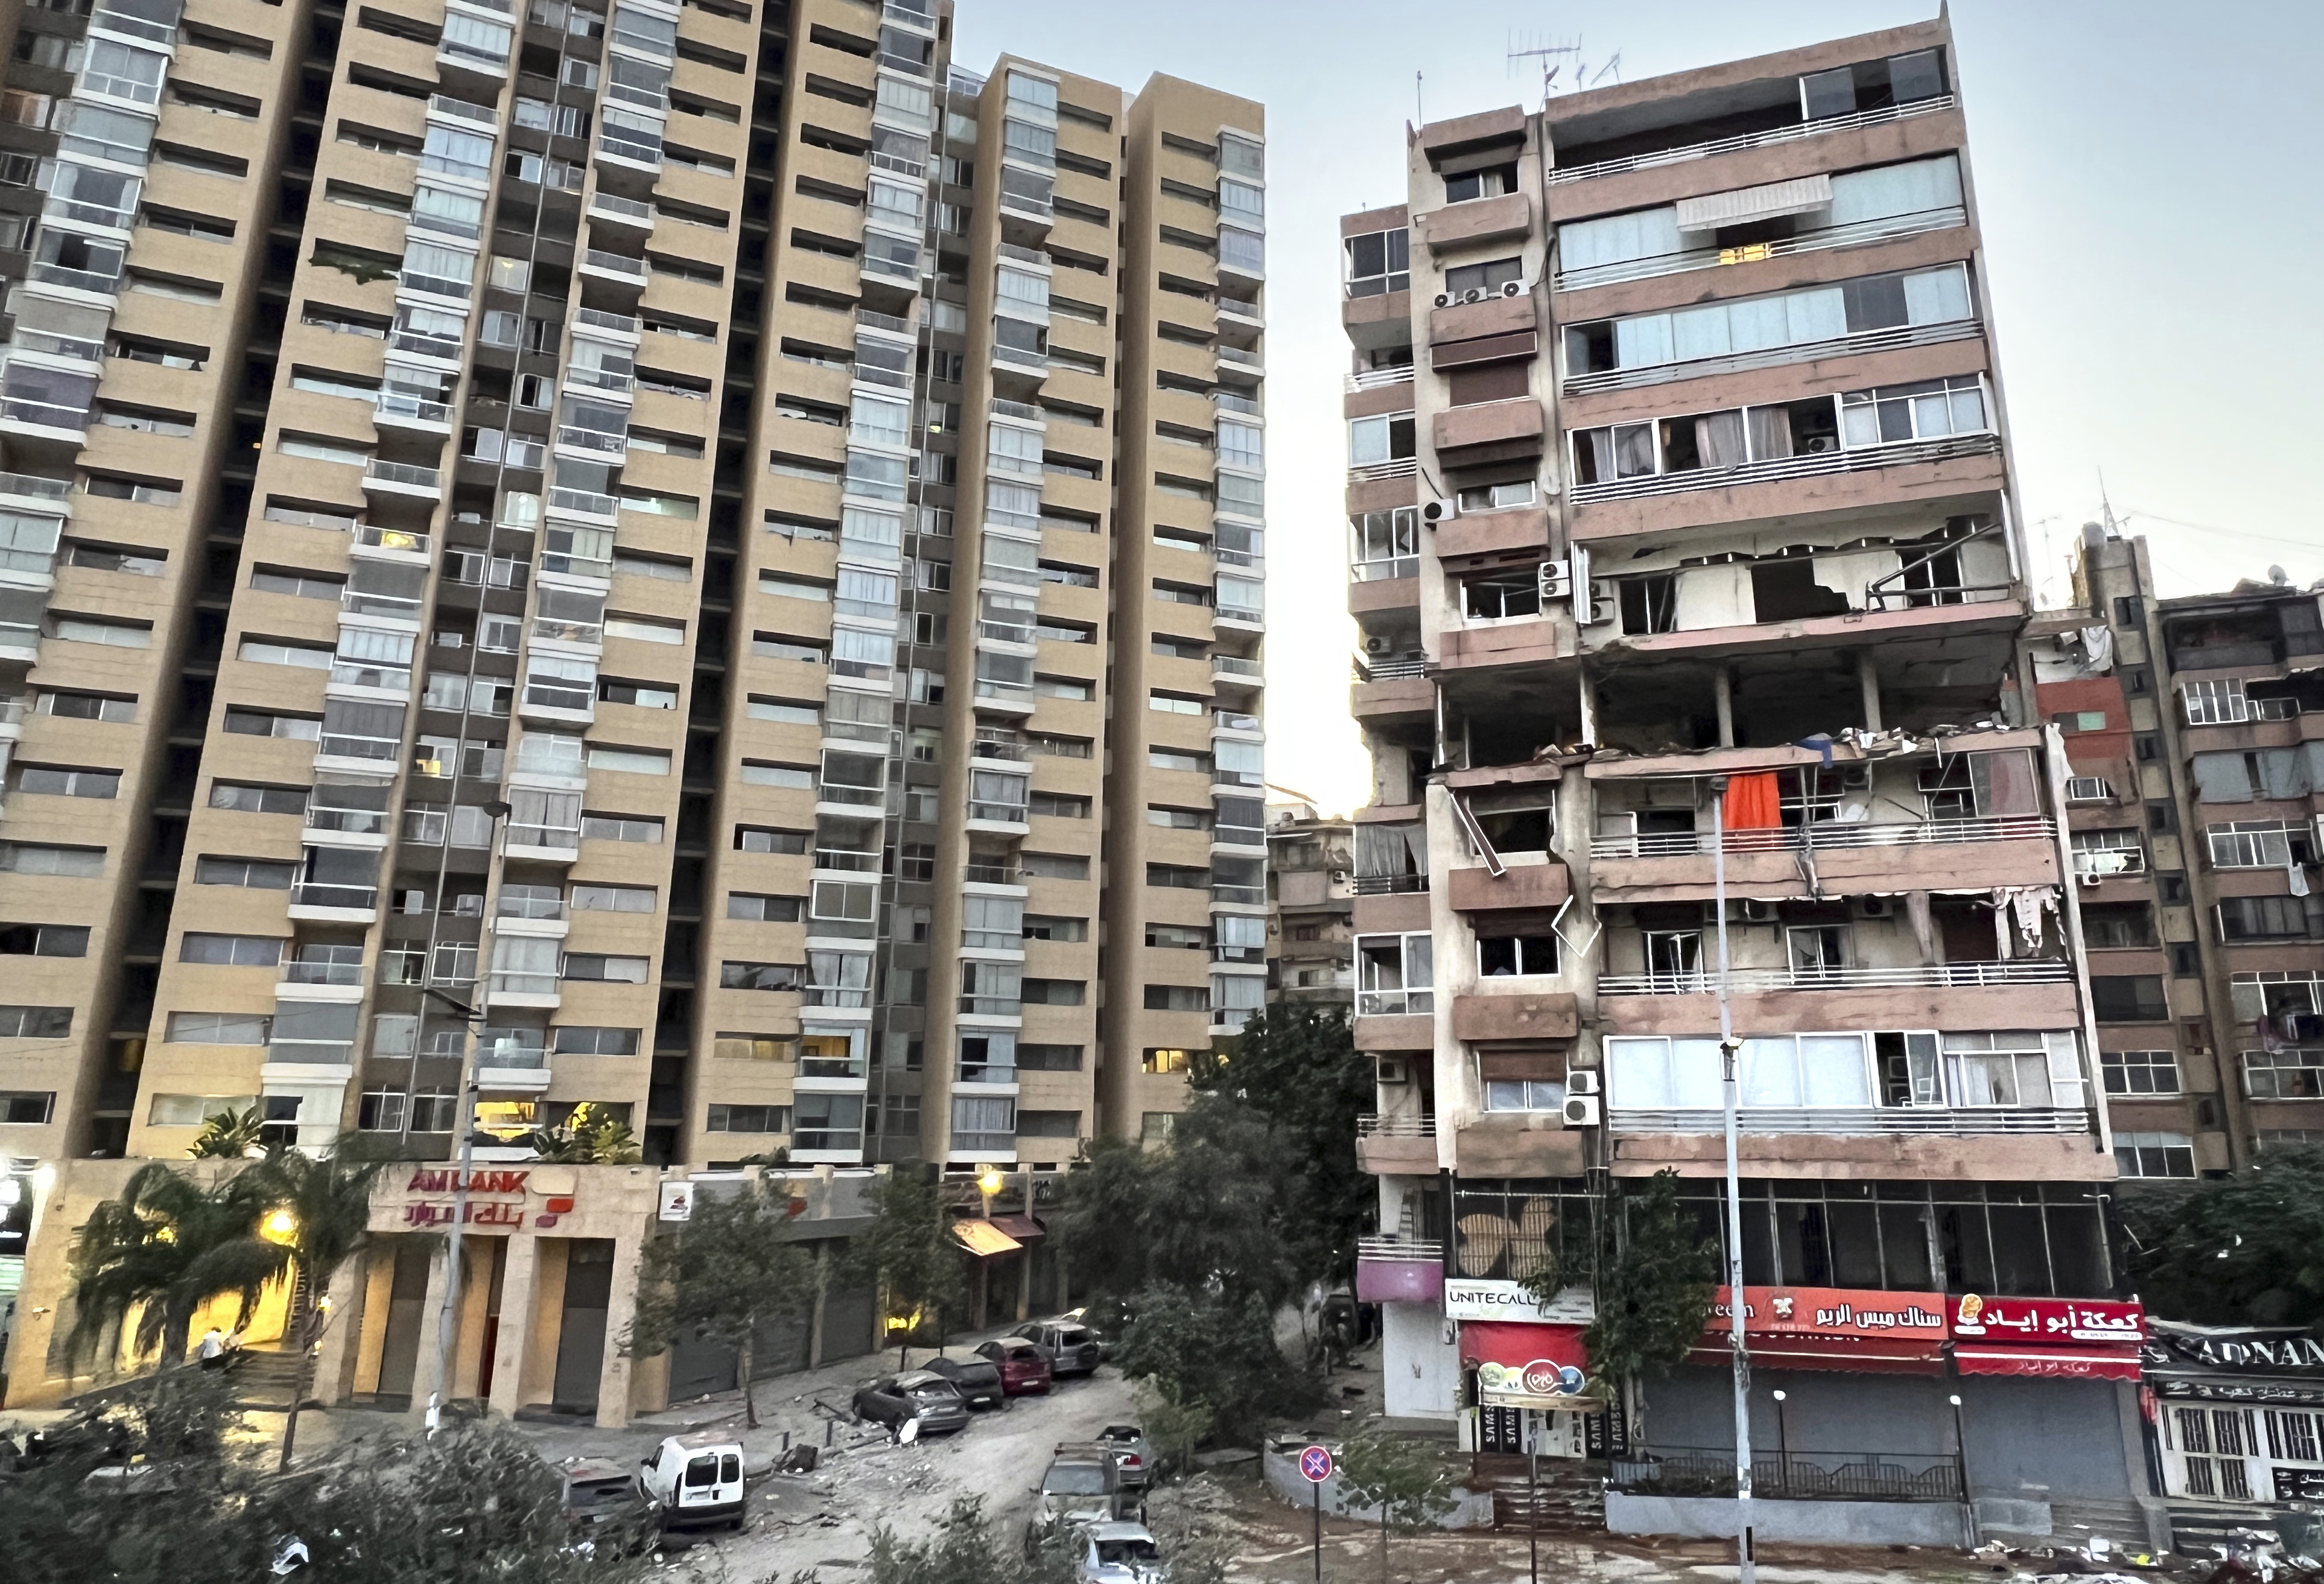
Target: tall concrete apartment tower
column 614, row 535
column 1684, row 545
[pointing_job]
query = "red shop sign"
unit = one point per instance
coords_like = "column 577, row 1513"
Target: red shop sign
column 2047, row 1322
column 1524, row 1364
column 1830, row 1328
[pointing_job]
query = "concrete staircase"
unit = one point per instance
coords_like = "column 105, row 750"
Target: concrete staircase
column 264, row 1379
column 2196, row 1526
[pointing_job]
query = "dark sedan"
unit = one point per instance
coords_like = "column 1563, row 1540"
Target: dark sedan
column 931, row 1399
column 1071, row 1347
column 1024, row 1369
column 978, row 1379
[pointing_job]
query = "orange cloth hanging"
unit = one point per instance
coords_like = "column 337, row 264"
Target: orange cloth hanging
column 1753, row 801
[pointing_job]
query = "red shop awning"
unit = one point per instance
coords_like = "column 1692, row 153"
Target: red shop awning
column 1856, row 1355
column 2106, row 1364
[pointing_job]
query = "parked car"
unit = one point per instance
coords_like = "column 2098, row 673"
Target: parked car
column 601, row 1502
column 920, row 1395
column 1108, row 1318
column 1081, row 1485
column 1131, row 1454
column 1118, row 1553
column 1024, row 1368
column 1071, row 1346
column 978, row 1380
column 693, row 1481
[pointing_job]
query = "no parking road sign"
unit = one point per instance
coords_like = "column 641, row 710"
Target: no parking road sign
column 1315, row 1463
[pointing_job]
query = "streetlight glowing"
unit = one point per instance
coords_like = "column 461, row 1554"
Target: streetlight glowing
column 989, row 1181
column 281, row 1225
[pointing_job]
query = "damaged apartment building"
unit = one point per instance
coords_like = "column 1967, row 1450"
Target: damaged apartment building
column 1683, row 541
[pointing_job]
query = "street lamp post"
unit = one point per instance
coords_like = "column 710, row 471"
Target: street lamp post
column 447, row 1321
column 1729, row 1051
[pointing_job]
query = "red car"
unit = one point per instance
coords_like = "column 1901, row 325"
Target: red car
column 1024, row 1369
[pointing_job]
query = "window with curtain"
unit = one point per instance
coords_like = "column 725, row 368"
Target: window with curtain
column 1619, row 238
column 1890, row 191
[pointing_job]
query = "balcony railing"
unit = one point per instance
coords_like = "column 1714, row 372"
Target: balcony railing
column 1857, row 1119
column 1374, row 379
column 461, row 109
column 597, row 258
column 1750, row 140
column 409, row 475
column 34, row 486
column 1845, row 459
column 1400, row 1248
column 1390, row 885
column 620, row 324
column 2037, row 970
column 1386, row 670
column 321, row 970
column 314, row 894
column 1851, row 235
column 1828, row 835
column 1229, row 665
column 1365, row 472
column 1371, row 1125
column 1396, row 1002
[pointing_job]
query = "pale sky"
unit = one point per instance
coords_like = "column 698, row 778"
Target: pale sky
column 2134, row 161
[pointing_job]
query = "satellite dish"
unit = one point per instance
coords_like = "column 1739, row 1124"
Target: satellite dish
column 2278, row 576
column 910, row 1433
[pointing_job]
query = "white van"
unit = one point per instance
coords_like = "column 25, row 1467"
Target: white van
column 694, row 1481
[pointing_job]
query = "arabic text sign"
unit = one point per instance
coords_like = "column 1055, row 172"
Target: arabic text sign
column 1831, row 1312
column 2056, row 1322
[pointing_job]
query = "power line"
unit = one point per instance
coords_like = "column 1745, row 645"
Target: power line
column 2232, row 533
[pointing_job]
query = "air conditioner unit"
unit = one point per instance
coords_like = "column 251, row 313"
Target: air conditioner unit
column 1476, row 294
column 1582, row 1080
column 2091, row 877
column 1379, row 645
column 1556, row 581
column 1875, row 907
column 1581, row 1110
column 1446, row 300
column 1392, row 1070
column 1437, row 510
column 1513, row 288
column 1603, row 603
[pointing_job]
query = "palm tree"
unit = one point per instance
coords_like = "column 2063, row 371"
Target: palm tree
column 227, row 1136
column 306, row 1218
column 151, row 1251
column 590, row 1137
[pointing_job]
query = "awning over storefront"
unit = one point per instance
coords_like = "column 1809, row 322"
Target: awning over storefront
column 2104, row 1364
column 1830, row 1328
column 1526, row 1365
column 984, row 1238
column 1023, row 1228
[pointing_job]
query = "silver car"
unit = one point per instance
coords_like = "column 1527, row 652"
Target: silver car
column 1119, row 1554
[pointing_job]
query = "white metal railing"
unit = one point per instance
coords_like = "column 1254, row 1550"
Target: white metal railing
column 2039, row 970
column 1377, row 379
column 1851, row 235
column 391, row 405
column 1830, row 1119
column 1845, row 459
column 1401, row 468
column 1388, row 671
column 620, row 324
column 1664, row 844
column 613, row 263
column 1371, row 1125
column 462, row 110
column 1400, row 1248
column 1750, row 140
column 404, row 473
column 602, row 202
column 1396, row 1002
column 1862, row 342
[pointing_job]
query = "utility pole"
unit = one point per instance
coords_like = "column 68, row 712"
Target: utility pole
column 1730, row 1053
column 448, row 1312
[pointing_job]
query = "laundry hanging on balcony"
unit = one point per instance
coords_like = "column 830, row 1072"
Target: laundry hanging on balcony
column 1753, row 801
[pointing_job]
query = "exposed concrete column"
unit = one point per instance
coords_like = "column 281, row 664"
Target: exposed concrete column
column 620, row 1313
column 1025, row 1260
column 520, row 1281
column 1868, row 680
column 815, row 1316
column 1587, row 688
column 431, row 1307
column 334, row 1362
column 1723, row 687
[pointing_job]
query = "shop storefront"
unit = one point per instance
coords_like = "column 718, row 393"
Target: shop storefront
column 1524, row 1372
column 2235, row 1414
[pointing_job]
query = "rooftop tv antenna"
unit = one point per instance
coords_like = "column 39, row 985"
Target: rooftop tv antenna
column 1565, row 67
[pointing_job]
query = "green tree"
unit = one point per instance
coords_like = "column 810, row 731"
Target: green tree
column 227, row 1136
column 1406, row 1481
column 1298, row 1068
column 163, row 1248
column 1655, row 1291
column 309, row 1217
column 966, row 1550
column 1176, row 1425
column 732, row 1268
column 474, row 1503
column 1218, row 1349
column 2244, row 1249
column 909, row 1250
column 589, row 1136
